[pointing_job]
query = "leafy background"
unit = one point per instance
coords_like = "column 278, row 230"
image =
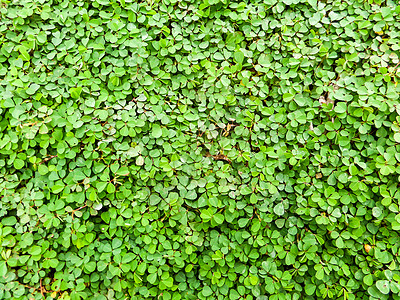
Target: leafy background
column 199, row 149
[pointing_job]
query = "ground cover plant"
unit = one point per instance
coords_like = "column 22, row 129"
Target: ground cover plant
column 199, row 149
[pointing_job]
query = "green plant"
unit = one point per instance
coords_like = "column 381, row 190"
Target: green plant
column 199, row 150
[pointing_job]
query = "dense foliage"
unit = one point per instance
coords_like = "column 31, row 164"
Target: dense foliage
column 199, row 150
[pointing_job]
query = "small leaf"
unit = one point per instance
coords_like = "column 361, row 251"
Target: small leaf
column 152, row 278
column 219, row 219
column 238, row 57
column 383, row 286
column 18, row 164
column 279, row 209
column 156, row 131
column 140, row 161
column 368, row 280
column 75, row 92
column 3, row 269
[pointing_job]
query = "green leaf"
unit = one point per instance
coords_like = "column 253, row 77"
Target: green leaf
column 75, row 92
column 90, row 266
column 238, row 57
column 35, row 250
column 9, row 221
column 101, row 185
column 340, row 108
column 343, row 177
column 206, row 215
column 18, row 164
column 219, row 218
column 32, row 89
column 207, row 291
column 288, row 97
column 397, row 137
column 383, row 286
column 152, row 278
column 386, row 170
column 156, row 131
column 368, row 279
column 140, row 161
column 279, row 209
column 3, row 269
column 110, row 188
column 310, row 289
column 123, row 171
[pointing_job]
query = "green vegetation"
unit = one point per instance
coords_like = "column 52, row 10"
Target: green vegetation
column 165, row 149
